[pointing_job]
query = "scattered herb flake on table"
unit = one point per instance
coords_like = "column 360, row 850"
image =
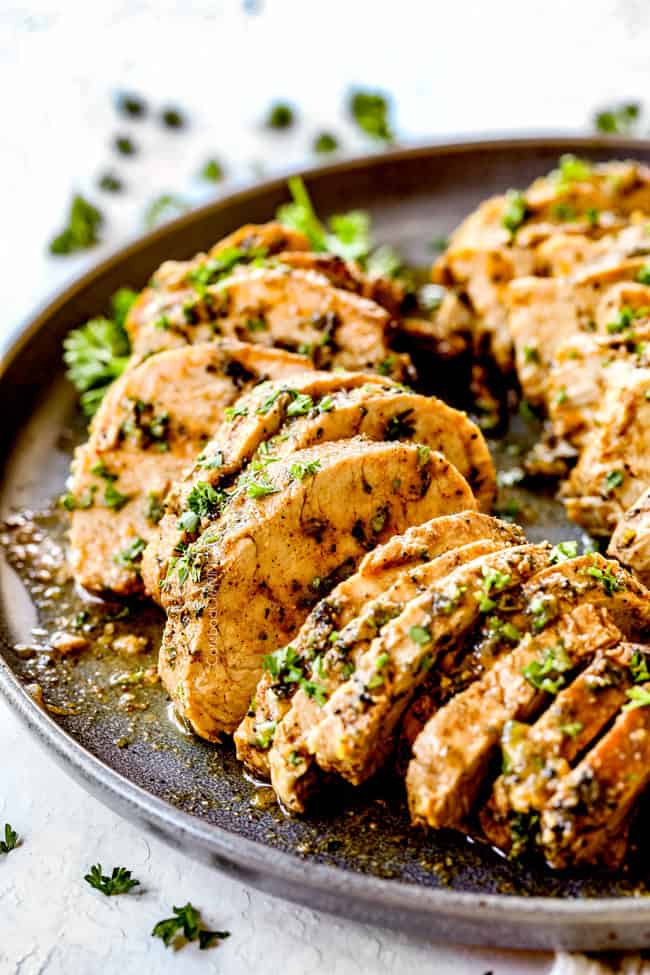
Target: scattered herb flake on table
column 10, row 842
column 81, row 231
column 370, row 110
column 280, row 116
column 186, row 923
column 119, row 882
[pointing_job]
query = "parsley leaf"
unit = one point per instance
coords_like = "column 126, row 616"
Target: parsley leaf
column 10, row 841
column 611, row 481
column 639, row 697
column 563, row 551
column 119, row 882
column 547, row 672
column 212, row 171
column 618, row 119
column 515, row 212
column 131, row 556
column 325, row 142
column 370, row 110
column 186, row 922
column 280, row 116
column 81, row 232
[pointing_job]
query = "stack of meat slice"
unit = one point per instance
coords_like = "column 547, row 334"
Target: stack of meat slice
column 451, row 645
column 259, row 306
column 299, row 483
column 558, row 278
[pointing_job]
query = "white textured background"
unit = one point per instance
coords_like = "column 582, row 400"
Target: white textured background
column 458, row 67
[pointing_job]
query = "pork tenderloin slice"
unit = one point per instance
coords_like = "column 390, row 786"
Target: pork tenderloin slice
column 278, row 306
column 360, row 717
column 255, row 418
column 151, row 424
column 294, row 774
column 377, row 572
column 537, row 756
column 630, row 543
column 173, row 285
column 583, row 369
column 586, row 819
column 452, row 754
column 248, row 583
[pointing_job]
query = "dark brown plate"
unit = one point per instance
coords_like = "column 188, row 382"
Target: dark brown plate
column 356, row 856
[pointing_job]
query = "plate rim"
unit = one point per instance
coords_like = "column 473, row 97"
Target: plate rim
column 304, row 881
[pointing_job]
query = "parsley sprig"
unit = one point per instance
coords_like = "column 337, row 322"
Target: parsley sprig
column 120, row 880
column 97, row 352
column 186, row 923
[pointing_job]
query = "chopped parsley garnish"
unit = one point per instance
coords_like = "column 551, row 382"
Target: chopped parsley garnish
column 325, row 142
column 315, row 690
column 326, row 404
column 370, row 110
column 561, row 396
column 377, row 678
column 203, row 501
column 564, row 211
column 260, row 488
column 82, row 229
column 10, row 842
column 284, row 665
column 147, row 428
column 348, row 235
column 280, row 116
column 172, row 117
column 612, row 481
column 130, row 105
column 563, row 551
column 220, row 266
column 119, row 882
column 619, row 119
column 625, row 320
column 643, row 274
column 113, row 498
column 232, row 412
column 531, row 353
column 571, row 169
column 264, row 733
column 110, row 183
column 212, row 171
column 186, row 563
column 420, row 635
column 547, row 672
column 504, row 630
column 572, row 729
column 542, row 609
column 493, row 582
column 72, row 502
column 186, row 922
column 606, row 576
column 124, row 145
column 304, row 469
column 639, row 697
column 639, row 668
column 300, row 405
column 131, row 556
column 515, row 212
column 257, row 324
column 154, row 508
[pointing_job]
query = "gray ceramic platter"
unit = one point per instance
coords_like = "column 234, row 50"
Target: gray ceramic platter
column 356, row 855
